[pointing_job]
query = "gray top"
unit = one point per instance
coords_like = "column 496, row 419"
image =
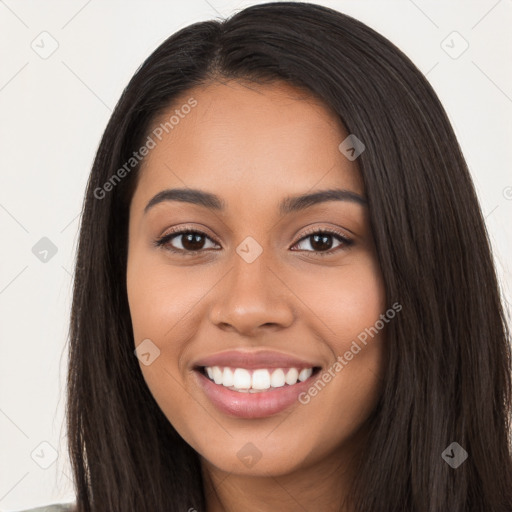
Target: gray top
column 57, row 507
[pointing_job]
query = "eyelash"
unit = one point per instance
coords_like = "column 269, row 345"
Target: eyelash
column 163, row 241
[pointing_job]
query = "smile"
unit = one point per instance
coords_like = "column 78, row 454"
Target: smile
column 243, row 399
column 257, row 380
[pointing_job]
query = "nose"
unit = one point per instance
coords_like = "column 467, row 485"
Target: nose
column 252, row 298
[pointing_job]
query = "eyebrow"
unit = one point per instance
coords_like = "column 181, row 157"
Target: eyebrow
column 288, row 205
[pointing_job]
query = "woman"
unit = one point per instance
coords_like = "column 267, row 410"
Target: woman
column 285, row 297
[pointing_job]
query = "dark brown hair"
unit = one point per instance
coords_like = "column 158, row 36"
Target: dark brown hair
column 448, row 373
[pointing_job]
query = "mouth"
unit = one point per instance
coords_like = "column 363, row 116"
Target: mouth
column 252, row 393
column 260, row 380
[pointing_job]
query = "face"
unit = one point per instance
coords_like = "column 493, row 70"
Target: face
column 267, row 295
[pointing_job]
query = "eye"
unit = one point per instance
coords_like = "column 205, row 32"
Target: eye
column 193, row 241
column 321, row 241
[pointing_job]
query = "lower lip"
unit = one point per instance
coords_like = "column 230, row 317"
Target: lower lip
column 252, row 405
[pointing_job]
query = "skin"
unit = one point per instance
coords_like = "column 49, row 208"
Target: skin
column 254, row 145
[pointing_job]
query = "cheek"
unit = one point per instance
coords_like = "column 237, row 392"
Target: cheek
column 345, row 300
column 347, row 311
column 166, row 307
column 160, row 298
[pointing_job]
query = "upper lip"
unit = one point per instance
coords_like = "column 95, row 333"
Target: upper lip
column 254, row 360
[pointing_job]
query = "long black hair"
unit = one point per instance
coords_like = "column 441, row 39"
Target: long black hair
column 448, row 367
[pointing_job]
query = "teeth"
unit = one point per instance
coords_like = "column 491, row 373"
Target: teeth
column 260, row 379
column 292, row 376
column 217, row 375
column 305, row 374
column 277, row 379
column 241, row 379
column 228, row 379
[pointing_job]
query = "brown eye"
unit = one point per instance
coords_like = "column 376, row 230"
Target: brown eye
column 190, row 241
column 322, row 242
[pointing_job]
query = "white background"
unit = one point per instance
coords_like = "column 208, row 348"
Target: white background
column 53, row 112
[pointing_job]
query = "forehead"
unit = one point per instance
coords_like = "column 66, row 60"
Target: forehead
column 249, row 141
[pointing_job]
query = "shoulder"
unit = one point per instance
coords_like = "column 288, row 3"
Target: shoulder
column 57, row 507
